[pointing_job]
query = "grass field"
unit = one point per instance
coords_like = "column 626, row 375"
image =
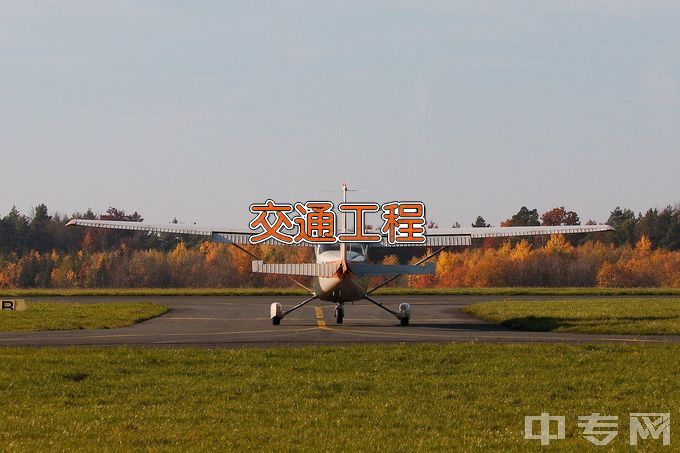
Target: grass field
column 460, row 397
column 53, row 292
column 656, row 316
column 65, row 316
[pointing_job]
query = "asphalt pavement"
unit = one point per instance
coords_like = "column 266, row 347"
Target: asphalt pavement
column 244, row 321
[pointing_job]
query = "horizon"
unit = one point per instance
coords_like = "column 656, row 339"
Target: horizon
column 371, row 217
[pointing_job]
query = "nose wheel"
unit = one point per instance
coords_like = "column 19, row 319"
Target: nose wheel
column 339, row 313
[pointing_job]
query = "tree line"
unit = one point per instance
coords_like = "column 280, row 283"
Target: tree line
column 38, row 250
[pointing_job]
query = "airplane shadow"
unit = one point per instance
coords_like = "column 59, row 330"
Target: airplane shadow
column 471, row 326
column 487, row 327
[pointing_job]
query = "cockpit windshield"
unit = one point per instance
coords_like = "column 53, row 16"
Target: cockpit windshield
column 351, row 247
column 357, row 248
column 327, row 247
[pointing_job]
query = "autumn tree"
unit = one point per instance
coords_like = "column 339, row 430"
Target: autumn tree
column 559, row 216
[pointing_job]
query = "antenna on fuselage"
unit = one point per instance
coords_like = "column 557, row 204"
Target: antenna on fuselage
column 343, row 246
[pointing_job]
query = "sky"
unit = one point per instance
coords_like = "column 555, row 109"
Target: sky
column 195, row 110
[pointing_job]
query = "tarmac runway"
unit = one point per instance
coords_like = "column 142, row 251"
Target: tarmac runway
column 244, row 321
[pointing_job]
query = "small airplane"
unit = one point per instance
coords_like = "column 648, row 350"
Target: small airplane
column 342, row 269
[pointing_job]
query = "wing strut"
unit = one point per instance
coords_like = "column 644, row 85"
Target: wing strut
column 431, row 255
column 301, row 304
column 373, row 301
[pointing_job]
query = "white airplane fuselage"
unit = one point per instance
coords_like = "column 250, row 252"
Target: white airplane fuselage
column 344, row 286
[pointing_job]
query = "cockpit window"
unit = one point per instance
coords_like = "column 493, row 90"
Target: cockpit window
column 356, row 247
column 327, row 247
column 351, row 247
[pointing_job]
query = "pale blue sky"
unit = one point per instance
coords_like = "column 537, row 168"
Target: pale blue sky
column 195, row 109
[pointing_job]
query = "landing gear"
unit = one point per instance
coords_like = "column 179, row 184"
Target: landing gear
column 404, row 314
column 276, row 312
column 339, row 313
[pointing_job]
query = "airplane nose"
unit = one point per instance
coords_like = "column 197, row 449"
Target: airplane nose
column 333, row 284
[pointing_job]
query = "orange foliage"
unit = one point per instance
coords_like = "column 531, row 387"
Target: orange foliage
column 522, row 263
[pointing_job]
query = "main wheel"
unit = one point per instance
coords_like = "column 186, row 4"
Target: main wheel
column 404, row 314
column 276, row 313
column 339, row 314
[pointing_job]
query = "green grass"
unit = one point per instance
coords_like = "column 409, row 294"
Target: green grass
column 53, row 292
column 637, row 316
column 66, row 316
column 458, row 397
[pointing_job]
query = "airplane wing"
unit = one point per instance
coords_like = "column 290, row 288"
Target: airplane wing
column 223, row 235
column 495, row 232
column 440, row 237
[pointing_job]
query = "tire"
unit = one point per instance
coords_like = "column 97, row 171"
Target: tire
column 339, row 315
column 403, row 321
column 276, row 321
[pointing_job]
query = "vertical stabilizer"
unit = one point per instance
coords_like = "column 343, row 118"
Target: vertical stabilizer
column 343, row 246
